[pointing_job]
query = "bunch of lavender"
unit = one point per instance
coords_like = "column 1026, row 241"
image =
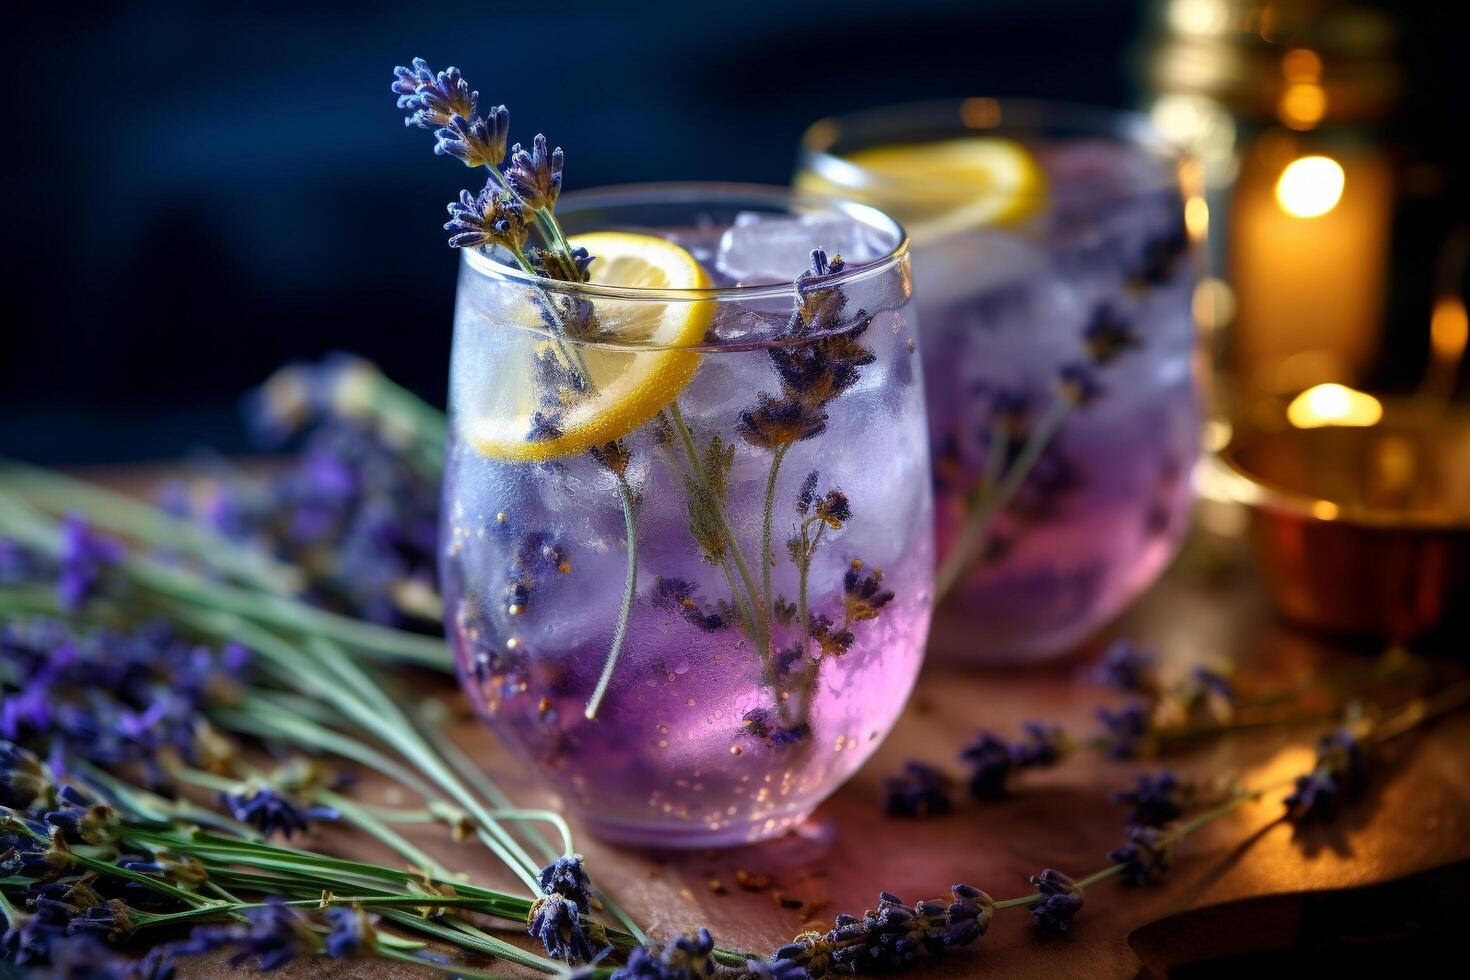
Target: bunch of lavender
column 117, row 699
column 347, row 523
column 98, row 872
column 355, row 510
column 157, row 699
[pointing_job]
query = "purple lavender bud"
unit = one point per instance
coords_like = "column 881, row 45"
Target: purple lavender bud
column 1338, row 774
column 535, row 175
column 1155, row 799
column 23, row 779
column 566, row 877
column 1078, row 384
column 1144, row 855
column 969, row 915
column 351, row 934
column 684, row 958
column 269, row 811
column 1043, row 744
column 1108, row 335
column 473, row 140
column 921, row 791
column 1055, row 913
column 1060, row 901
column 430, row 99
column 1126, row 730
column 992, row 761
column 488, row 218
column 277, row 934
column 1126, row 667
column 85, row 557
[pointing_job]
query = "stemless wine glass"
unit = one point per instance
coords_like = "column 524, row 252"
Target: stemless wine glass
column 687, row 541
column 1055, row 265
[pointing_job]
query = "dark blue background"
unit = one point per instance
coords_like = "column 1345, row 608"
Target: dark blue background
column 199, row 192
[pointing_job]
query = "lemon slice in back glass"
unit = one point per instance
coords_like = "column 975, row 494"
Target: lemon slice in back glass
column 946, row 186
column 640, row 366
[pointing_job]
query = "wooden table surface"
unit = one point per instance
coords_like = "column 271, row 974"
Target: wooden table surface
column 1415, row 818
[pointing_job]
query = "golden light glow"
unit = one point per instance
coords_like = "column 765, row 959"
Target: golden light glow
column 1213, row 304
column 1197, row 217
column 1199, row 16
column 980, row 113
column 1217, row 434
column 1200, row 124
column 1302, row 105
column 1449, row 328
column 1333, row 404
column 1325, row 510
column 1310, row 187
column 1301, row 65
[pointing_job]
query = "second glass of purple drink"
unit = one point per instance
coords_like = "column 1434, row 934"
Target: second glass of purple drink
column 1055, row 263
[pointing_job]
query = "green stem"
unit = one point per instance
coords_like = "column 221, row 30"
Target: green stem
column 34, row 529
column 973, row 533
column 717, row 508
column 469, row 937
column 995, row 456
column 630, row 591
column 367, row 821
column 803, row 614
column 746, row 617
column 335, row 677
column 1177, row 833
column 767, row 559
column 121, row 514
column 268, row 723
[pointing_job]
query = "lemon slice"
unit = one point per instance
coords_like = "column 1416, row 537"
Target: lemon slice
column 628, row 386
column 951, row 185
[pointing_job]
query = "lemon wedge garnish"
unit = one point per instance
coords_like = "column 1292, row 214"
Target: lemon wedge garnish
column 945, row 186
column 628, row 386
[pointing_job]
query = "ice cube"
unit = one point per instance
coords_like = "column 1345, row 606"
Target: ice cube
column 765, row 248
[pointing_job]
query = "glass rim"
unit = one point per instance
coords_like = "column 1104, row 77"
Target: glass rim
column 692, row 192
column 979, row 115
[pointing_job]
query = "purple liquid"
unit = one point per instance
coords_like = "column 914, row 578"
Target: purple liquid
column 1107, row 502
column 700, row 739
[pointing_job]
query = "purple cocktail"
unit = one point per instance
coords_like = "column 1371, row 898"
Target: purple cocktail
column 687, row 542
column 1055, row 273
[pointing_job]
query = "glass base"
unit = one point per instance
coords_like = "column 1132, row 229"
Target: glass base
column 688, row 837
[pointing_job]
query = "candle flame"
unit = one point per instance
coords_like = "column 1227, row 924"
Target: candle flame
column 1449, row 328
column 1310, row 187
column 1333, row 404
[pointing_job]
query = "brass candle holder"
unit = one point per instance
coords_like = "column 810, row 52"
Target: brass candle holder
column 1360, row 513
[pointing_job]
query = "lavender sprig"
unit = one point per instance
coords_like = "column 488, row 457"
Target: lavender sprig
column 511, row 200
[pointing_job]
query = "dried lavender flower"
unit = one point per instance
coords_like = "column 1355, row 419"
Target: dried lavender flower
column 1156, row 799
column 491, row 217
column 1144, row 855
column 270, row 811
column 921, row 791
column 535, row 174
column 1337, row 774
column 1059, row 903
column 566, row 877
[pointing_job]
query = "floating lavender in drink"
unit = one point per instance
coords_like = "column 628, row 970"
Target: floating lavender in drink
column 1055, row 273
column 687, row 525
